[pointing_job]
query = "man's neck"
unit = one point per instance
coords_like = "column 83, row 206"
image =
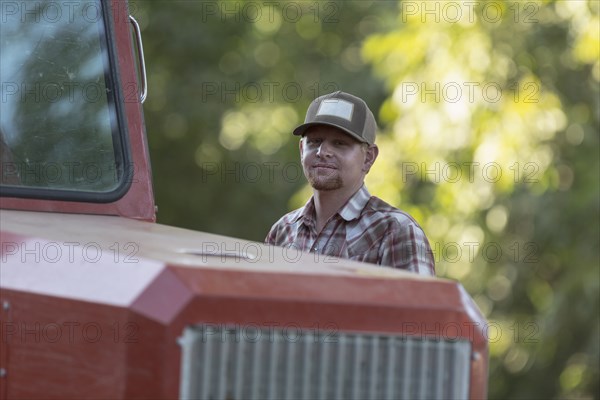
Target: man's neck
column 328, row 202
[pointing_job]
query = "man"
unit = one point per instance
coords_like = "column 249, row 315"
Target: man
column 342, row 219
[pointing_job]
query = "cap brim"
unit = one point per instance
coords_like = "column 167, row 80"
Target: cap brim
column 301, row 130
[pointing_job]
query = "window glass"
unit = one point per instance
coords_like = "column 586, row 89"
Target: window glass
column 59, row 129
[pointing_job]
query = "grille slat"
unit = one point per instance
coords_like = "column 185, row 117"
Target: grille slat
column 306, row 374
column 272, row 388
column 290, row 366
column 375, row 374
column 206, row 366
column 439, row 369
column 239, row 369
column 422, row 394
column 256, row 370
column 324, row 376
column 391, row 372
column 405, row 381
column 339, row 388
column 223, row 368
column 232, row 363
column 356, row 373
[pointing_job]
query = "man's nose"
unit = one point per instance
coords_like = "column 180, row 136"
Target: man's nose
column 324, row 150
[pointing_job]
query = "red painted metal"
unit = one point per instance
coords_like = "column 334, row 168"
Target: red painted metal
column 77, row 348
column 119, row 322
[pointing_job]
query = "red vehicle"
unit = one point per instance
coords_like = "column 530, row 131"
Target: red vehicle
column 99, row 301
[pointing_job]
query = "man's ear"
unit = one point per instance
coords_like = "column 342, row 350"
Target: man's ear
column 301, row 146
column 370, row 156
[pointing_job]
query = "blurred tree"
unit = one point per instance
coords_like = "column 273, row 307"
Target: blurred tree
column 228, row 81
column 491, row 140
column 489, row 117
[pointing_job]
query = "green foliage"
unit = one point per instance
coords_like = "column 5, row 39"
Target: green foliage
column 525, row 204
column 489, row 138
column 225, row 90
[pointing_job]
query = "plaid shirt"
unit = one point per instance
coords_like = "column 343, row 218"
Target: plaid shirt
column 365, row 229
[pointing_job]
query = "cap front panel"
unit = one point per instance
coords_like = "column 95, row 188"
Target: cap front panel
column 336, row 108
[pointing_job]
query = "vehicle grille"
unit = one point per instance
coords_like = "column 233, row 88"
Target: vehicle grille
column 252, row 363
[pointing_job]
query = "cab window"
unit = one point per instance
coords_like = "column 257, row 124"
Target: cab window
column 62, row 134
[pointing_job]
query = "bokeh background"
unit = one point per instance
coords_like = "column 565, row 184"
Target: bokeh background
column 489, row 126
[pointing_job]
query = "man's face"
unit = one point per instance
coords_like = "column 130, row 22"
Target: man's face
column 332, row 160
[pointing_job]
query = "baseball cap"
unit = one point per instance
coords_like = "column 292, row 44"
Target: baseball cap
column 344, row 111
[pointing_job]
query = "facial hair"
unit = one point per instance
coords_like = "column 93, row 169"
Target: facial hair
column 331, row 181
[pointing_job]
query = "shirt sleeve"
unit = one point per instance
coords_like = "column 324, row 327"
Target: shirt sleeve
column 272, row 235
column 278, row 233
column 406, row 247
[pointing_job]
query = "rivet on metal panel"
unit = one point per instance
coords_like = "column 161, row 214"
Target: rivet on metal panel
column 5, row 305
column 2, row 372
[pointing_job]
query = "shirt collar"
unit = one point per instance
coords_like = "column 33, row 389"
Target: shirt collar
column 354, row 206
column 349, row 211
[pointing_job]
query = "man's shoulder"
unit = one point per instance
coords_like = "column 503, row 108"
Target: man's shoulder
column 378, row 209
column 290, row 218
column 283, row 227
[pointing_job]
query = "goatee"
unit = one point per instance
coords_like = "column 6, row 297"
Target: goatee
column 324, row 182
